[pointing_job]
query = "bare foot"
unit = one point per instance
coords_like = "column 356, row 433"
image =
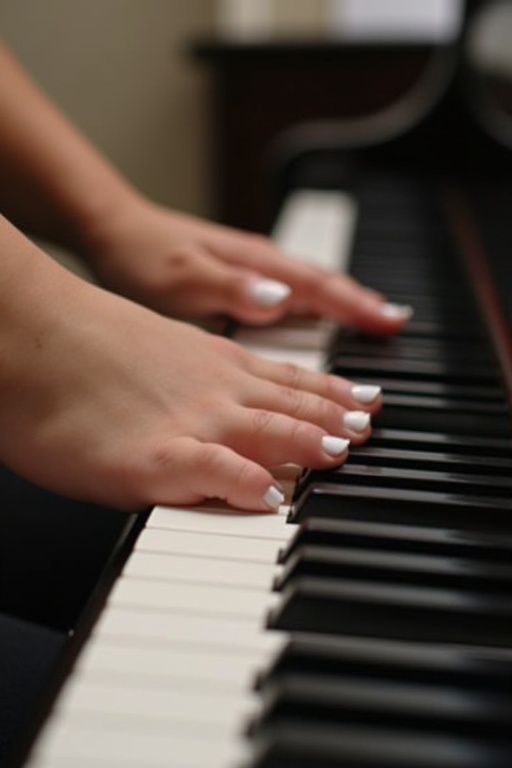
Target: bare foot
column 105, row 400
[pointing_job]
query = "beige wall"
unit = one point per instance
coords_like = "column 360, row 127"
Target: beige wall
column 300, row 17
column 120, row 69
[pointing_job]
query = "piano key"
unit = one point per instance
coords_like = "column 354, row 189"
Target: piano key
column 401, row 222
column 413, row 413
column 461, row 407
column 403, row 506
column 242, row 548
column 442, row 441
column 136, row 627
column 407, row 705
column 432, row 297
column 213, row 709
column 400, row 248
column 457, row 399
column 148, row 565
column 219, row 521
column 199, row 599
column 434, row 325
column 396, row 611
column 433, row 370
column 478, row 464
column 291, row 335
column 488, row 669
column 418, row 479
column 55, row 761
column 385, row 566
column 317, row 226
column 120, row 742
column 408, row 347
column 461, row 393
column 321, row 746
column 455, row 542
column 213, row 667
column 313, row 360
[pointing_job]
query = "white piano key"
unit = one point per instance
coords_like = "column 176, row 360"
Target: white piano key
column 209, row 600
column 288, row 337
column 135, row 626
column 226, row 522
column 309, row 359
column 162, row 708
column 124, row 744
column 106, row 657
column 258, row 550
column 317, row 226
column 149, row 565
column 53, row 761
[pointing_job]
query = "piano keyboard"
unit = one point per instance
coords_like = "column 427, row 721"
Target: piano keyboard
column 369, row 622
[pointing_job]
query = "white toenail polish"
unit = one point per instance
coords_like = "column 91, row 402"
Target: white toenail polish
column 357, row 421
column 365, row 393
column 397, row 311
column 273, row 497
column 334, row 446
column 268, row 293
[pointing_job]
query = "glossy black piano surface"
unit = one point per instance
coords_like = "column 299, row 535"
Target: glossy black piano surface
column 397, row 588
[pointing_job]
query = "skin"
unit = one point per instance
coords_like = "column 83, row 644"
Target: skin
column 194, row 268
column 104, row 399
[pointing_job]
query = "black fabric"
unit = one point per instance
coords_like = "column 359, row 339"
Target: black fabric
column 53, row 555
column 28, row 658
column 52, row 552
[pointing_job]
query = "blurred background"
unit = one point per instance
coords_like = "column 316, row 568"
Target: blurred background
column 125, row 72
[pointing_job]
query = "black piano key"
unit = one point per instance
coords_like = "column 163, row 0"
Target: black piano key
column 411, row 412
column 358, row 657
column 397, row 611
column 492, row 447
column 459, row 407
column 456, row 307
column 380, row 476
column 412, row 348
column 477, row 464
column 435, row 325
column 428, row 279
column 302, row 697
column 458, row 312
column 397, row 222
column 400, row 567
column 410, row 226
column 428, row 275
column 419, row 287
column 460, row 393
column 401, row 249
column 322, row 746
column 433, row 370
column 491, row 394
column 403, row 506
column 383, row 535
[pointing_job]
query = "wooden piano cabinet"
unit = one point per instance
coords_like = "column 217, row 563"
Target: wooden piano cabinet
column 259, row 90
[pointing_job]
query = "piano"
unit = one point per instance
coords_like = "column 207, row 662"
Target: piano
column 368, row 623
